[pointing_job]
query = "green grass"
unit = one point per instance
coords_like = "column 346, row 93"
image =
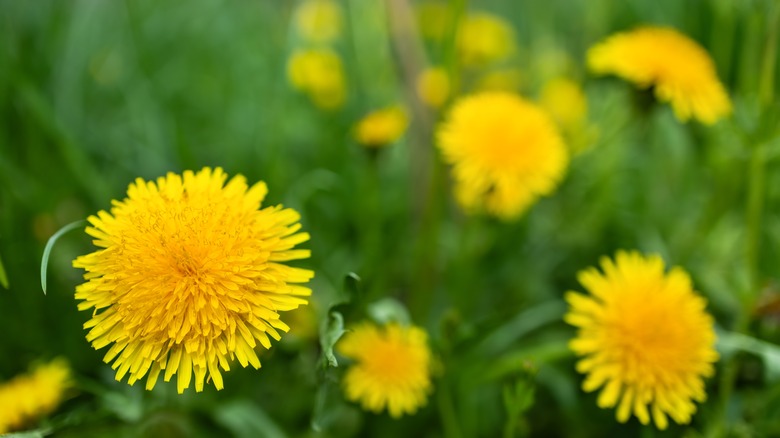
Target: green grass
column 96, row 94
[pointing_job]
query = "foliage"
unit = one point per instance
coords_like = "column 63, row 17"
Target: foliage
column 96, row 94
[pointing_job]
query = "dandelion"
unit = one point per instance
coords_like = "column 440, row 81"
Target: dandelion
column 318, row 21
column 484, row 39
column 28, row 397
column 505, row 152
column 644, row 337
column 391, row 369
column 433, row 86
column 320, row 74
column 381, row 127
column 681, row 71
column 189, row 276
column 565, row 101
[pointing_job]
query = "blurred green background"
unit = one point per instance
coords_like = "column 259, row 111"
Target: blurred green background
column 94, row 94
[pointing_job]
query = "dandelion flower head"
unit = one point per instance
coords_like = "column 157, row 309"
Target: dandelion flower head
column 433, row 86
column 645, row 338
column 391, row 369
column 28, row 397
column 381, row 127
column 483, row 39
column 320, row 74
column 565, row 101
column 318, row 21
column 681, row 71
column 505, row 152
column 190, row 275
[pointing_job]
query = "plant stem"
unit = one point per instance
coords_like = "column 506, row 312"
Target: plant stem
column 447, row 411
column 753, row 215
column 767, row 78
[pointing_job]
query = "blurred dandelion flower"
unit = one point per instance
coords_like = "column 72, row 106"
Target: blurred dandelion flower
column 318, row 73
column 433, row 86
column 505, row 152
column 565, row 101
column 381, row 127
column 483, row 39
column 392, row 367
column 681, row 71
column 318, row 21
column 28, row 397
column 189, row 276
column 645, row 337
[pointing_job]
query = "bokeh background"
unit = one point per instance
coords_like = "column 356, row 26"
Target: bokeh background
column 94, row 94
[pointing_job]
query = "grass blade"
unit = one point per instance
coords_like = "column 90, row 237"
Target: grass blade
column 50, row 245
column 3, row 276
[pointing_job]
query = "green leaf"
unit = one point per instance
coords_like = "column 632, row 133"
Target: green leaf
column 730, row 342
column 389, row 310
column 330, row 332
column 245, row 419
column 37, row 433
column 519, row 395
column 531, row 319
column 327, row 401
column 50, row 245
column 352, row 287
column 3, row 276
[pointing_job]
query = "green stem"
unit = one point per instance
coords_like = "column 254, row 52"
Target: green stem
column 434, row 205
column 767, row 78
column 753, row 215
column 447, row 411
column 754, row 211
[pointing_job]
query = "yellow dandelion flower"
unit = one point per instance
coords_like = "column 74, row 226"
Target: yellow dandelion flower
column 505, row 152
column 681, row 71
column 565, row 101
column 318, row 73
column 644, row 336
column 484, row 38
column 381, row 127
column 28, row 397
column 391, row 369
column 434, row 19
column 318, row 21
column 433, row 87
column 188, row 276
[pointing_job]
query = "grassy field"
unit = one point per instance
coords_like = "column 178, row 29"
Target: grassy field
column 94, row 94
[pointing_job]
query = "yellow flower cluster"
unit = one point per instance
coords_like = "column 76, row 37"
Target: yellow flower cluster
column 27, row 397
